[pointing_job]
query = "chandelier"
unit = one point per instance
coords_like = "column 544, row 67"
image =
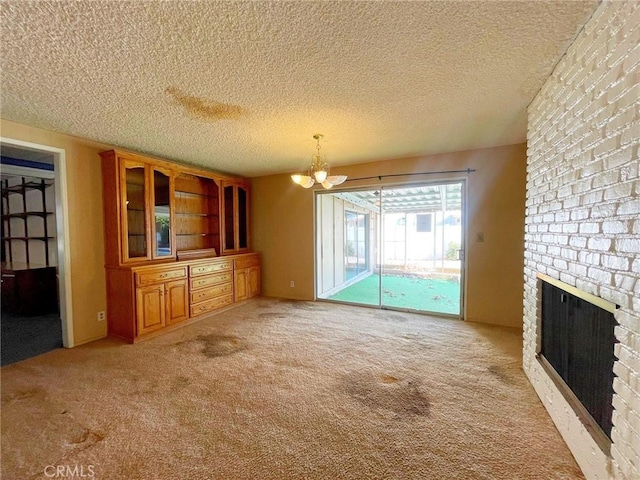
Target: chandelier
column 318, row 171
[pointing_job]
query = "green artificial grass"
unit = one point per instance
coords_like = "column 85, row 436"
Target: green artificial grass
column 431, row 295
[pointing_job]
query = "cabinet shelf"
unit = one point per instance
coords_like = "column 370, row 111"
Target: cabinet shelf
column 195, row 214
column 194, row 194
column 26, row 239
column 30, row 185
column 24, row 215
column 197, row 234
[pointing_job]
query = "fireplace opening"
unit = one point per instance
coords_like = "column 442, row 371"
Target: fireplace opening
column 577, row 351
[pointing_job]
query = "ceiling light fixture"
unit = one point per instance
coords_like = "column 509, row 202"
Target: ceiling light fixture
column 318, row 171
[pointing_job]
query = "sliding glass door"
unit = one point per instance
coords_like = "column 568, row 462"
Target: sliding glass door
column 392, row 247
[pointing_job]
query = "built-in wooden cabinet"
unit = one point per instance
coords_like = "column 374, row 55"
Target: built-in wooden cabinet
column 176, row 244
column 162, row 297
column 161, row 305
column 246, row 276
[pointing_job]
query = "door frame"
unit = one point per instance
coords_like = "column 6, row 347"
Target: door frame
column 383, row 185
column 62, row 229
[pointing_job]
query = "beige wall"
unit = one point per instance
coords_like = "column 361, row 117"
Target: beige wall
column 86, row 243
column 282, row 227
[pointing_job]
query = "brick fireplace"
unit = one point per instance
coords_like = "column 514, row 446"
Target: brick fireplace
column 583, row 219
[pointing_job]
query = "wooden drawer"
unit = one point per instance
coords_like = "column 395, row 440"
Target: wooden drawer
column 247, row 261
column 201, row 282
column 211, row 305
column 150, row 277
column 210, row 267
column 211, row 292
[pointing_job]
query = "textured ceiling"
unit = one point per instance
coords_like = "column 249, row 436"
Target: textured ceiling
column 241, row 87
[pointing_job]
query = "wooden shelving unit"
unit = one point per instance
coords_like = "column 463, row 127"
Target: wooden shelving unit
column 197, row 209
column 167, row 260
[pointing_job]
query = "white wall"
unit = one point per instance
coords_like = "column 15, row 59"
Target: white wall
column 583, row 216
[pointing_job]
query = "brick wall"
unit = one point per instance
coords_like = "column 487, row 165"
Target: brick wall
column 583, row 216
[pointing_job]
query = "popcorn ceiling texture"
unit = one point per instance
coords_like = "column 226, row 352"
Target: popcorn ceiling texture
column 583, row 216
column 379, row 79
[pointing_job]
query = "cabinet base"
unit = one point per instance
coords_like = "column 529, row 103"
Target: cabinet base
column 176, row 326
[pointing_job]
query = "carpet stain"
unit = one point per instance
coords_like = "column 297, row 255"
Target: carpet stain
column 179, row 382
column 271, row 315
column 386, row 392
column 86, row 437
column 144, row 385
column 395, row 317
column 501, row 372
column 307, row 306
column 215, row 346
column 22, row 395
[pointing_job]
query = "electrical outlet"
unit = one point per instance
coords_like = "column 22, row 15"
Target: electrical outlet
column 292, row 284
column 101, row 316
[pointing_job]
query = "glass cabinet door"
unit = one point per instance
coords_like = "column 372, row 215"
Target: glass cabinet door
column 243, row 217
column 135, row 244
column 229, row 218
column 162, row 239
column 235, row 220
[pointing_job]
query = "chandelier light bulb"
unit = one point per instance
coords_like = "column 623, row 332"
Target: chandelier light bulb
column 320, row 175
column 318, row 171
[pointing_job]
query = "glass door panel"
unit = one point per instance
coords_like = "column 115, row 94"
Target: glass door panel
column 356, row 235
column 422, row 237
column 346, row 248
column 162, row 214
column 243, row 218
column 136, row 235
column 229, row 209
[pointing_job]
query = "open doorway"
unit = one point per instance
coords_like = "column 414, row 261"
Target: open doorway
column 35, row 288
column 393, row 247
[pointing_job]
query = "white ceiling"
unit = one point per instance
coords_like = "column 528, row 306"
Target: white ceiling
column 241, row 87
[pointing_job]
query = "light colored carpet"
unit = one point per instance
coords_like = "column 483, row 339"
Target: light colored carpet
column 275, row 390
